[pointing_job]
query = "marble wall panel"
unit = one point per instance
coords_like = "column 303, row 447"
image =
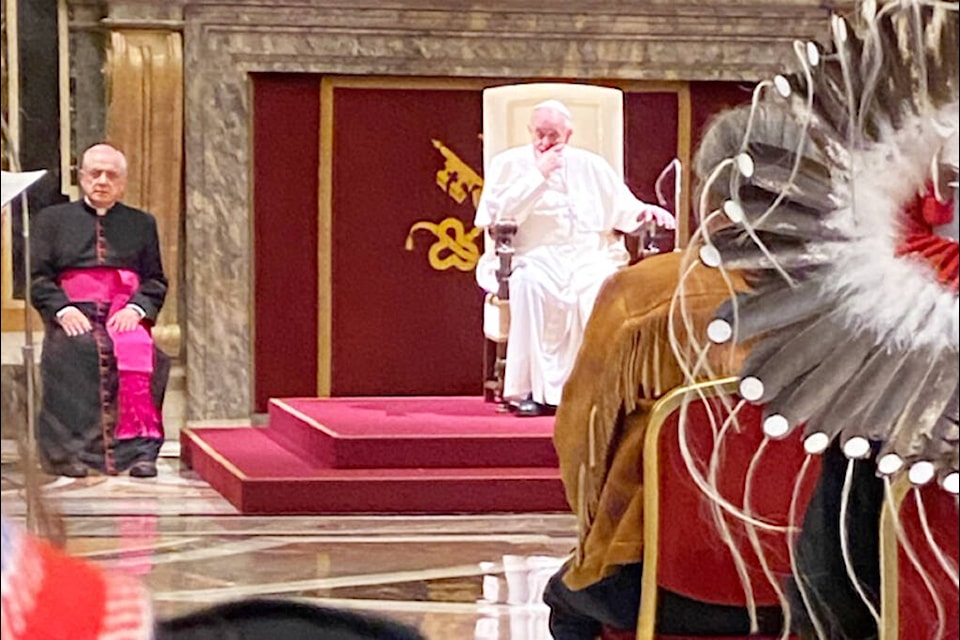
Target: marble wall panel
column 590, row 39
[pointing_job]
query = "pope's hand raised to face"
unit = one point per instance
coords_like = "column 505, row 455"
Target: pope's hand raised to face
column 550, row 160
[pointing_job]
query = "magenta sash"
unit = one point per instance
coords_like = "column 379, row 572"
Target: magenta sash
column 137, row 414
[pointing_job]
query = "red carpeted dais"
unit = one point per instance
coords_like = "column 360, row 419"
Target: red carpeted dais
column 381, row 455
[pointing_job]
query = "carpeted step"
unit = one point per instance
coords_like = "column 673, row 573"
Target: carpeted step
column 258, row 475
column 410, row 432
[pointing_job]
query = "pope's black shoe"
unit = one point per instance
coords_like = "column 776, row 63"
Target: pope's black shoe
column 530, row 409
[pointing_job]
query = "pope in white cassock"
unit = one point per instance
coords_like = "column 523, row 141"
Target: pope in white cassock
column 571, row 209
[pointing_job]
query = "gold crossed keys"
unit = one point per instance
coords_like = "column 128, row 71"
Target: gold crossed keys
column 455, row 247
column 456, row 178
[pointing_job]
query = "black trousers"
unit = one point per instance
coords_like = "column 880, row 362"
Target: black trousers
column 78, row 413
column 615, row 602
column 834, row 600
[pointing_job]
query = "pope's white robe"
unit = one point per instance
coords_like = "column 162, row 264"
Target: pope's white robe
column 566, row 246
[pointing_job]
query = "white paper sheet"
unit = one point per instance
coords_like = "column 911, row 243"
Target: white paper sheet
column 15, row 183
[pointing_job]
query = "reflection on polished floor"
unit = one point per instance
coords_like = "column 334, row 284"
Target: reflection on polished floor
column 453, row 577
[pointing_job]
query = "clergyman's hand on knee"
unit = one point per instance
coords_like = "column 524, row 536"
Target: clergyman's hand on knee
column 75, row 323
column 125, row 319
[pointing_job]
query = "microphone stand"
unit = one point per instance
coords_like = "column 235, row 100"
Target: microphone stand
column 677, row 168
column 28, row 455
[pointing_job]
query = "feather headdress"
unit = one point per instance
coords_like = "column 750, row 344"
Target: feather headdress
column 835, row 192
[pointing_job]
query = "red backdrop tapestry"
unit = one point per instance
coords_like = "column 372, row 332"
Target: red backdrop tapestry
column 650, row 145
column 406, row 311
column 707, row 99
column 286, row 135
column 406, row 308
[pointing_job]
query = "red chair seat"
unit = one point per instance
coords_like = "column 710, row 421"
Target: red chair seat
column 915, row 609
column 683, row 544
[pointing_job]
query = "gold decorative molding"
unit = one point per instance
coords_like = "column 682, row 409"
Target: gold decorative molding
column 12, row 309
column 67, row 187
column 145, row 119
column 11, row 75
column 325, row 242
column 685, row 155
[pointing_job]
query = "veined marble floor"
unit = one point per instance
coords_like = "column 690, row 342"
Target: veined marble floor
column 453, row 577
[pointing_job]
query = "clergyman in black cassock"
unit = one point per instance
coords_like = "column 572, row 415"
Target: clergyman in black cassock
column 98, row 282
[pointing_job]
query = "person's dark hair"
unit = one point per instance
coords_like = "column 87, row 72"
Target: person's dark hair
column 270, row 619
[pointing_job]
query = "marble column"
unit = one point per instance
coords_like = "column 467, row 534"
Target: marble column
column 87, row 61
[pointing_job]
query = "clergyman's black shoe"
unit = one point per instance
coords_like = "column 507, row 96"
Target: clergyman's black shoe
column 70, row 469
column 144, row 469
column 530, row 409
